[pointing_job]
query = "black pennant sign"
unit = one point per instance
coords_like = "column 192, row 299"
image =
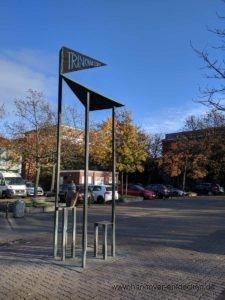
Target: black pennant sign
column 74, row 61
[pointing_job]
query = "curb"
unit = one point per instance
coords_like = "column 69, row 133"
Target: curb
column 131, row 200
column 39, row 209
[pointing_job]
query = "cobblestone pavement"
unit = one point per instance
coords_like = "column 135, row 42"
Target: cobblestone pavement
column 166, row 249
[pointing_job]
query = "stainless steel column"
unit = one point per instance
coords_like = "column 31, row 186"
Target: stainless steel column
column 113, row 249
column 85, row 204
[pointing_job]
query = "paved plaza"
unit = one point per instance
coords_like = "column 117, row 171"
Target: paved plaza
column 165, row 249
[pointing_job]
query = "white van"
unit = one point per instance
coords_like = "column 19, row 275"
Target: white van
column 12, row 185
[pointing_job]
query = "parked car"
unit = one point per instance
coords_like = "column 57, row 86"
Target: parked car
column 30, row 189
column 103, row 193
column 80, row 190
column 175, row 192
column 139, row 191
column 207, row 188
column 63, row 189
column 12, row 185
column 160, row 189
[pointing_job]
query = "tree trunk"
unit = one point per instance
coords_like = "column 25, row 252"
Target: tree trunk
column 53, row 178
column 122, row 183
column 184, row 175
column 37, row 181
column 126, row 182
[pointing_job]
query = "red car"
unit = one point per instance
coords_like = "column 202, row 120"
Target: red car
column 80, row 191
column 137, row 190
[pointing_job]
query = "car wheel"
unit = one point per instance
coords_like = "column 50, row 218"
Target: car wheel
column 100, row 200
column 8, row 195
column 62, row 199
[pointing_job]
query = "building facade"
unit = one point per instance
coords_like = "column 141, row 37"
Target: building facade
column 94, row 177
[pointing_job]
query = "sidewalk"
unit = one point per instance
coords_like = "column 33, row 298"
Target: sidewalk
column 165, row 250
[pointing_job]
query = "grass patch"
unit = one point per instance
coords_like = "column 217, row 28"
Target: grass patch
column 124, row 198
column 37, row 202
column 43, row 204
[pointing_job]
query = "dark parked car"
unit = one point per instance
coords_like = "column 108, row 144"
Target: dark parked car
column 139, row 191
column 207, row 188
column 63, row 189
column 160, row 189
column 80, row 190
column 175, row 192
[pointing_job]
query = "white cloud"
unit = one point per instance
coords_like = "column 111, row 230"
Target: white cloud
column 37, row 60
column 20, row 72
column 26, row 69
column 172, row 119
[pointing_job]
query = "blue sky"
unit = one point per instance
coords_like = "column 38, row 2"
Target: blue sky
column 151, row 67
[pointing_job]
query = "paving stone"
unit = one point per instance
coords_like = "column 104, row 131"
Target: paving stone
column 172, row 249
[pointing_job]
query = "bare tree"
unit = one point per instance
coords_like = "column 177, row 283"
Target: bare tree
column 72, row 150
column 2, row 110
column 71, row 117
column 155, row 153
column 211, row 119
column 214, row 95
column 34, row 131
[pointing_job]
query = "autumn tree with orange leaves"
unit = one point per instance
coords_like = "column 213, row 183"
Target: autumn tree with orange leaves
column 131, row 145
column 183, row 156
column 198, row 151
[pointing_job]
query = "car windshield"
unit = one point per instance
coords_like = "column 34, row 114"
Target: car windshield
column 97, row 188
column 63, row 187
column 81, row 189
column 14, row 180
column 136, row 187
column 29, row 184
